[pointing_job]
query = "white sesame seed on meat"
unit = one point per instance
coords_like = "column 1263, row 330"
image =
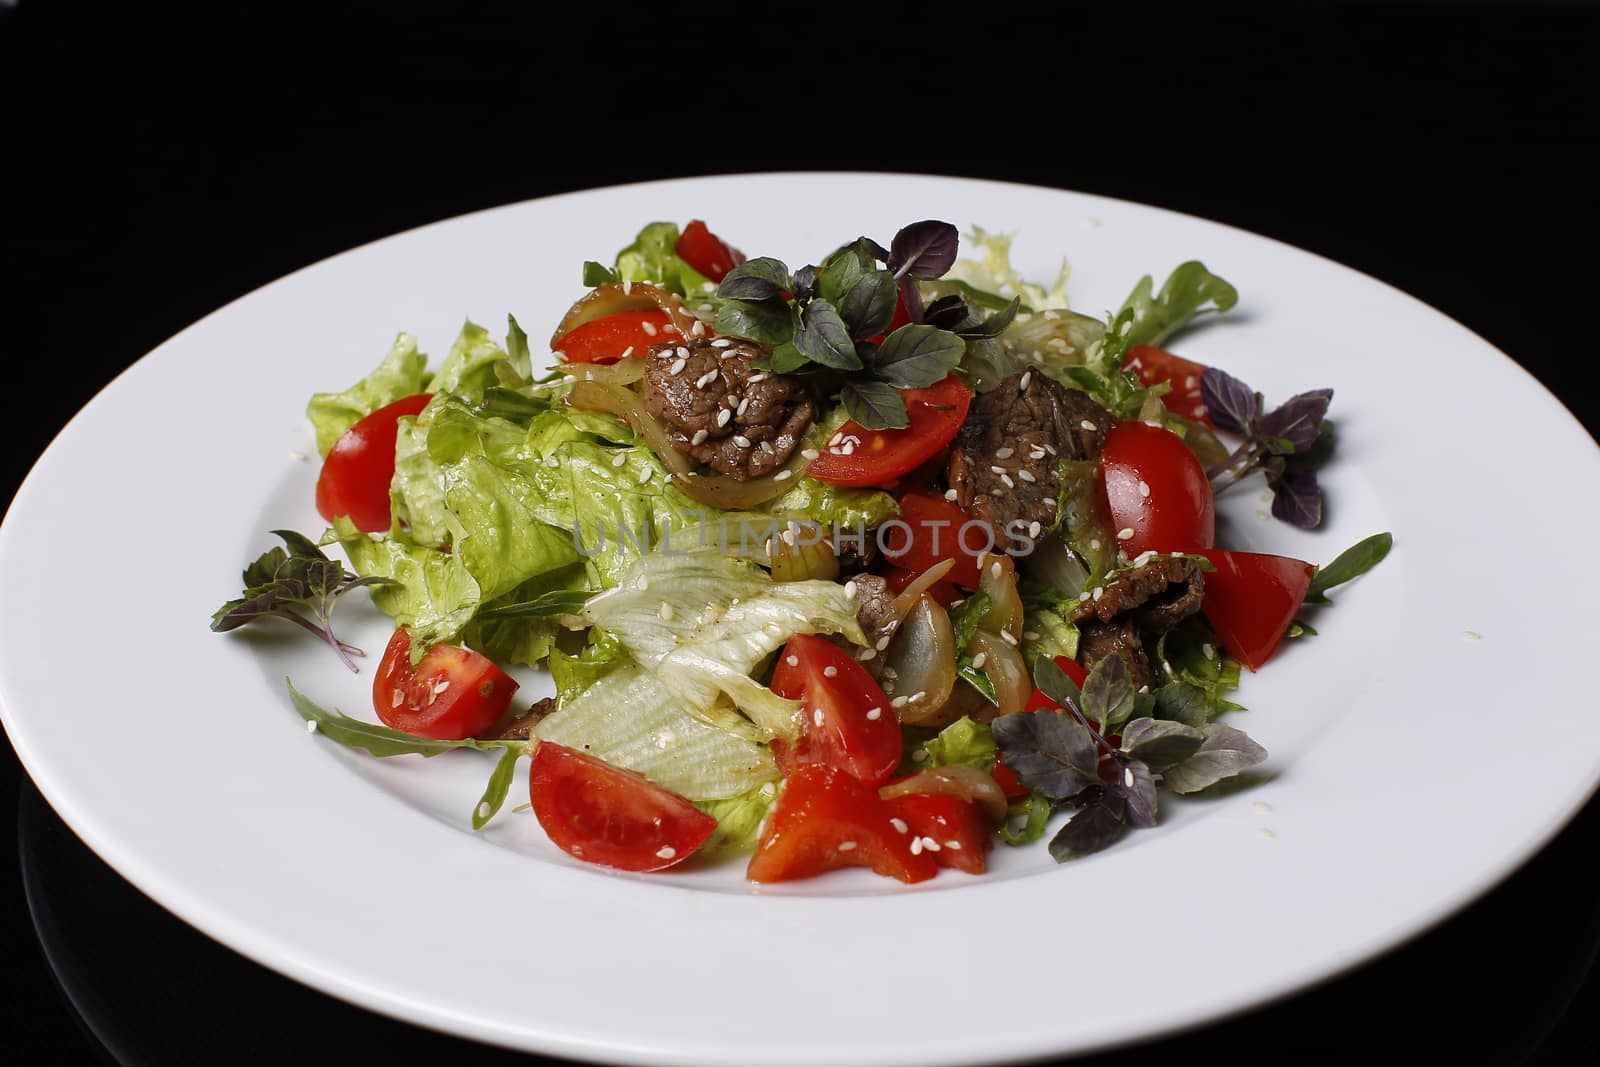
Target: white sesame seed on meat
column 1026, row 476
column 741, row 440
column 1033, row 529
column 850, row 588
column 723, row 416
column 705, row 379
column 699, row 437
column 1006, row 478
column 1049, row 501
column 1027, row 378
column 1087, row 425
column 721, row 342
column 677, row 366
column 1004, row 453
column 997, row 470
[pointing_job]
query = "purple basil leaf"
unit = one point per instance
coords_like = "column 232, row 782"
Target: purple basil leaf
column 300, row 545
column 1137, row 787
column 1097, row 826
column 1050, row 752
column 1230, row 403
column 924, row 249
column 1297, row 499
column 1297, row 420
column 1160, row 743
column 1226, row 752
column 910, row 297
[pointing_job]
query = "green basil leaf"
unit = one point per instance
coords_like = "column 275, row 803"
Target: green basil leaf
column 595, row 274
column 760, row 279
column 875, row 405
column 824, row 338
column 1054, row 683
column 768, row 321
column 867, row 306
column 916, row 356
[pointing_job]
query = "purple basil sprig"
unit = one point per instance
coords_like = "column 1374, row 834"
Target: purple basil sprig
column 1287, row 444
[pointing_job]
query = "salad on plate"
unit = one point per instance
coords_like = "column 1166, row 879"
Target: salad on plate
column 879, row 561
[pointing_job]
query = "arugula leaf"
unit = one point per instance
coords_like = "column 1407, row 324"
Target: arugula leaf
column 494, row 794
column 379, row 740
column 546, row 605
column 1190, row 290
column 1350, row 564
column 967, row 616
column 292, row 585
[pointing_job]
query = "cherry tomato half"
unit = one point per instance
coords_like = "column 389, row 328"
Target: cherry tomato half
column 1251, row 599
column 608, row 338
column 356, row 475
column 706, row 252
column 451, row 694
column 1154, row 366
column 878, row 457
column 849, row 724
column 1156, row 490
column 606, row 815
column 955, row 826
column 939, row 530
column 825, row 819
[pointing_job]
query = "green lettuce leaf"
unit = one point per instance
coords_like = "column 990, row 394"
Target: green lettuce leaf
column 653, row 257
column 402, row 373
column 575, row 672
column 469, row 367
column 963, row 741
column 434, row 595
column 738, row 821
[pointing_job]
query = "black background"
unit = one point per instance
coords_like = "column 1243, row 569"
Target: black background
column 151, row 175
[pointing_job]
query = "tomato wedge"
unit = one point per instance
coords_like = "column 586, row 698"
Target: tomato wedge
column 453, row 693
column 356, row 475
column 948, row 828
column 849, row 723
column 1154, row 366
column 824, row 820
column 938, row 530
column 611, row 337
column 606, row 815
column 1158, row 493
column 706, row 252
column 857, row 456
column 1251, row 599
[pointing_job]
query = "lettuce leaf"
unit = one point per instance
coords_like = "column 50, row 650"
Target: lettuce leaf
column 738, row 821
column 402, row 373
column 434, row 595
column 992, row 272
column 653, row 257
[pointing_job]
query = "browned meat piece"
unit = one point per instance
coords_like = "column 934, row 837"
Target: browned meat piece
column 874, row 607
column 1148, row 600
column 1003, row 466
column 520, row 727
column 743, row 422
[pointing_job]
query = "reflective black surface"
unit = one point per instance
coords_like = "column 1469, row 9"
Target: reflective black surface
column 1439, row 149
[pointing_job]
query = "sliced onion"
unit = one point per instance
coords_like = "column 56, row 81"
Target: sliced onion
column 998, row 581
column 907, row 598
column 923, row 657
column 805, row 558
column 956, row 780
column 1057, row 566
column 1005, row 668
column 714, row 490
column 617, row 297
column 623, row 372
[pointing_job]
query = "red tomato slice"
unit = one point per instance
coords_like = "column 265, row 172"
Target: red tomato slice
column 606, row 815
column 878, row 457
column 950, row 829
column 1156, row 489
column 1006, row 778
column 356, row 475
column 938, row 530
column 1250, row 600
column 453, row 693
column 942, row 591
column 609, row 338
column 706, row 252
column 849, row 724
column 825, row 820
column 1154, row 366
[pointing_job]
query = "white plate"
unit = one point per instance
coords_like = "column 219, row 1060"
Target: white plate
column 176, row 756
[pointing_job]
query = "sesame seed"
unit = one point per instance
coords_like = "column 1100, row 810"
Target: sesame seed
column 1049, row 501
column 793, row 661
column 644, row 582
column 741, row 440
column 979, row 660
column 441, row 687
column 665, row 612
column 559, row 355
column 930, row 844
column 744, row 402
column 627, row 287
column 698, row 329
column 1004, row 453
column 1050, row 449
column 950, row 495
column 1083, row 596
column 1033, row 529
column 899, row 702
column 705, row 379
column 916, row 846
column 882, row 642
column 666, row 852
column 311, row 724
column 1027, row 377
column 484, row 811
column 1144, row 488
column 953, row 845
column 830, row 672
column 867, row 654
column 649, row 328
column 1145, row 688
column 850, row 588
column 835, row 439
column 1099, row 591
column 874, row 713
column 1094, row 544
column 619, row 459
column 723, row 416
column 645, row 473
column 1026, row 476
column 1125, row 534
column 816, row 716
column 1190, row 382
column 1008, row 637
column 1037, row 453
column 994, row 570
column 809, row 453
column 847, row 846
column 699, row 437
column 899, row 825
column 1006, row 478
column 766, row 446
column 683, row 353
column 1127, row 777
column 774, row 629
column 997, row 470
column 394, row 701
column 769, row 789
column 721, row 342
column 759, row 376
column 551, row 461
column 1087, row 425
column 1209, row 650
column 783, row 476
column 626, row 352
column 677, row 366
column 919, row 696
column 1030, row 635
